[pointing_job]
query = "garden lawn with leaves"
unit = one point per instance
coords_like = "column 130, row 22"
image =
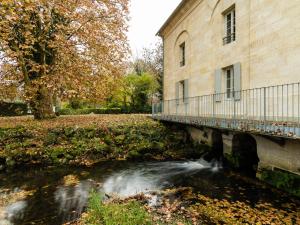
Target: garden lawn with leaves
column 89, row 139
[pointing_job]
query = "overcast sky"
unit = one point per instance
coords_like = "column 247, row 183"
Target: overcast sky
column 147, row 16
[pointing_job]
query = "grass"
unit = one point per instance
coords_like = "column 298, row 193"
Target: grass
column 129, row 213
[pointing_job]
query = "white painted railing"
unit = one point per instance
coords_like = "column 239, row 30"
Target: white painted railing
column 273, row 110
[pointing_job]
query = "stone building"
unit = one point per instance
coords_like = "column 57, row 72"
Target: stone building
column 213, row 46
column 233, row 66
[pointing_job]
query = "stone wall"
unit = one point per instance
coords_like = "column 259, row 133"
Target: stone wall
column 274, row 161
column 281, row 154
column 267, row 44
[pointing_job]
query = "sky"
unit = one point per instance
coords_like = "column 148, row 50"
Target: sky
column 147, row 16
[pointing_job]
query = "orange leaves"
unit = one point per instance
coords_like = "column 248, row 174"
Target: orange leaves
column 72, row 46
column 72, row 121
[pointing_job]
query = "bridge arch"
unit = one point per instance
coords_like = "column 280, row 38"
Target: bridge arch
column 244, row 153
column 217, row 144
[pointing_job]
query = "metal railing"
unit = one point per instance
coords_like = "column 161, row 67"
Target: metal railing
column 228, row 39
column 273, row 110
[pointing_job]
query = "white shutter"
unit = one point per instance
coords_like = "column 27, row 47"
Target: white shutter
column 237, row 81
column 177, row 92
column 186, row 91
column 218, row 84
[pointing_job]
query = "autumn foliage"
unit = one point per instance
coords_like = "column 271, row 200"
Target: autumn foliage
column 59, row 49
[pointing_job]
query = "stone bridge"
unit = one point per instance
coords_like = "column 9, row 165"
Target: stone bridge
column 259, row 130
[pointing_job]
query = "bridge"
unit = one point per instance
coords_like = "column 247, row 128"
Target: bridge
column 257, row 129
column 272, row 111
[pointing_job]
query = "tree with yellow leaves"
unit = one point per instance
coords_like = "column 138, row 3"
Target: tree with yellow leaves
column 62, row 49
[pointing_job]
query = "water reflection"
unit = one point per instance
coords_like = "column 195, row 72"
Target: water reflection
column 72, row 200
column 61, row 195
column 12, row 211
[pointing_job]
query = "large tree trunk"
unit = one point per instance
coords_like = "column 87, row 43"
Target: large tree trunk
column 42, row 105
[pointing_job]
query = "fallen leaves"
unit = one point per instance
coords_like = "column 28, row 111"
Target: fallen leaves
column 73, row 121
column 183, row 206
column 70, row 180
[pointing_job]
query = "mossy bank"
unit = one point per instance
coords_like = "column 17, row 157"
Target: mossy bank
column 71, row 141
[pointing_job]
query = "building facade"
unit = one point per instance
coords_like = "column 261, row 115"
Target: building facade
column 226, row 46
column 234, row 65
column 202, row 37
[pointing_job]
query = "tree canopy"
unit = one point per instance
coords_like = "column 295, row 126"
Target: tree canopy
column 151, row 62
column 62, row 49
column 135, row 93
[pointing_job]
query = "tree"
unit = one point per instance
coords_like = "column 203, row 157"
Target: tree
column 152, row 62
column 134, row 93
column 62, row 49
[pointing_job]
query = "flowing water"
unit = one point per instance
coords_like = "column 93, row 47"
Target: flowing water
column 55, row 196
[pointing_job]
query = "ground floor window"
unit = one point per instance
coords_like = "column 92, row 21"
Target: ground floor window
column 229, row 85
column 182, row 91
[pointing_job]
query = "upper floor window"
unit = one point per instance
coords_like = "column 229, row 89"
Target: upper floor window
column 182, row 54
column 229, row 20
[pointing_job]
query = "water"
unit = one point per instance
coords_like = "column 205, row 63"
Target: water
column 54, row 196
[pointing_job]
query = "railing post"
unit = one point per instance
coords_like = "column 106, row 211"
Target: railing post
column 214, row 105
column 177, row 103
column 234, row 108
column 265, row 108
column 198, row 104
column 186, row 109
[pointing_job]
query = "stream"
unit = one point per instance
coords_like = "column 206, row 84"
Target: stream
column 59, row 195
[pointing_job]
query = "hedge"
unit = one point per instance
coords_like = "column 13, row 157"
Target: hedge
column 90, row 111
column 13, row 109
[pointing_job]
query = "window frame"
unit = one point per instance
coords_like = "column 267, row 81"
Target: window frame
column 229, row 29
column 182, row 48
column 182, row 87
column 229, row 82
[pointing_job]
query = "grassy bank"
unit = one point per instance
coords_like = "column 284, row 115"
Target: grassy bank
column 130, row 211
column 183, row 207
column 86, row 140
column 114, row 213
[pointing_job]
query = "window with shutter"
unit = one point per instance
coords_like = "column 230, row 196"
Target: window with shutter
column 229, row 82
column 232, row 78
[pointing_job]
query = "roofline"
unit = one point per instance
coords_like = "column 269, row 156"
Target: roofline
column 171, row 17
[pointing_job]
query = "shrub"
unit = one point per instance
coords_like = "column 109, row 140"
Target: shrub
column 13, row 109
column 69, row 111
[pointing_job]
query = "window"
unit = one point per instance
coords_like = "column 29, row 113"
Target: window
column 229, row 77
column 182, row 54
column 181, row 90
column 229, row 19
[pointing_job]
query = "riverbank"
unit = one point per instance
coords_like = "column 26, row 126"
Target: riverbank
column 90, row 139
column 186, row 192
column 182, row 206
